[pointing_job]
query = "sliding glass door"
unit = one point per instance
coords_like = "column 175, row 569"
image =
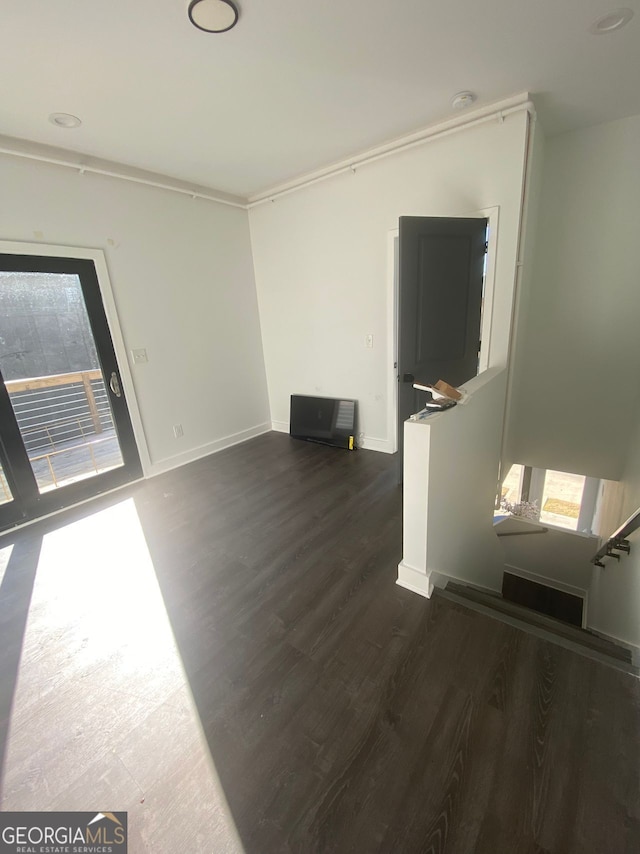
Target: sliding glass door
column 65, row 430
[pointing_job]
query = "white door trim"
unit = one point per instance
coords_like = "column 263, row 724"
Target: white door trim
column 392, row 339
column 492, row 214
column 106, row 291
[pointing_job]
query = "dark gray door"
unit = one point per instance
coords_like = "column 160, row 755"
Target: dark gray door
column 441, row 272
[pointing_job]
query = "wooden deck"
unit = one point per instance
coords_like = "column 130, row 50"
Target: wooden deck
column 75, row 459
column 67, row 462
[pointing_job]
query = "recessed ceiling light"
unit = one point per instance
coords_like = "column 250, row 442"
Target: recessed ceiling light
column 213, row 16
column 611, row 21
column 462, row 100
column 64, row 120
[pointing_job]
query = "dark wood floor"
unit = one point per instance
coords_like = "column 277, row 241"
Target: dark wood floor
column 294, row 690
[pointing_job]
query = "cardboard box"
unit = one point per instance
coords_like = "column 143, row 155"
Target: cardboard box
column 448, row 390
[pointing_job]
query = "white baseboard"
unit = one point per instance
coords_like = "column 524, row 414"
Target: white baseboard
column 417, row 581
column 383, row 446
column 369, row 443
column 205, row 450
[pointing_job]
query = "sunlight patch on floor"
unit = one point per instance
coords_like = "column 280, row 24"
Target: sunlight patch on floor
column 103, row 714
column 5, row 555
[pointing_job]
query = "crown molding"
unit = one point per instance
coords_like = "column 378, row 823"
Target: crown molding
column 495, row 111
column 83, row 163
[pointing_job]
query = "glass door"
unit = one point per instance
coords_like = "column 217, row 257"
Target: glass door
column 65, row 429
column 10, row 510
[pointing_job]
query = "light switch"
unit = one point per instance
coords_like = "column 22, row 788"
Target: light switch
column 139, row 356
column 368, row 341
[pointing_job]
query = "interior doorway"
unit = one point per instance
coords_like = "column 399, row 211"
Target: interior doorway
column 403, row 403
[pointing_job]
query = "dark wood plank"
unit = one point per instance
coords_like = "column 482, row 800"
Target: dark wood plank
column 265, row 670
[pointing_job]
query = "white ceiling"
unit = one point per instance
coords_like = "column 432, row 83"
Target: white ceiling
column 297, row 84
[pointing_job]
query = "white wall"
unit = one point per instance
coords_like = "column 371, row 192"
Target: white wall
column 529, row 237
column 182, row 277
column 450, row 480
column 581, row 338
column 320, row 256
column 557, row 557
column 615, row 591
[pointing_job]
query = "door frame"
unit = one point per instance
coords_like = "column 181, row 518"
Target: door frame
column 109, row 304
column 492, row 215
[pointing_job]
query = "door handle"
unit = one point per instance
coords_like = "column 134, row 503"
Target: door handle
column 408, row 378
column 114, row 384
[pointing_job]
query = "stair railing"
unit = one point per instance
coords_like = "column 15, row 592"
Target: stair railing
column 618, row 541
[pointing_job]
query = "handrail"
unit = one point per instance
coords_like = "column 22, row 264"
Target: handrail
column 52, row 380
column 618, row 540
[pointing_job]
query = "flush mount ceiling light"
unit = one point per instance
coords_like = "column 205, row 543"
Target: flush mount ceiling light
column 611, row 21
column 213, row 16
column 64, row 120
column 462, row 100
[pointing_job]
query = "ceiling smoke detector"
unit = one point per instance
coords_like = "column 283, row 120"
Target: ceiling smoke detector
column 64, row 120
column 462, row 100
column 213, row 16
column 611, row 21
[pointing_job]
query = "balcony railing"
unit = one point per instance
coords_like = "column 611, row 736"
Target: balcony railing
column 66, row 425
column 42, row 404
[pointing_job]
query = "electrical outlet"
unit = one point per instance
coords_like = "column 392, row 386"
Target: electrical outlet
column 368, row 341
column 178, row 432
column 139, row 356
